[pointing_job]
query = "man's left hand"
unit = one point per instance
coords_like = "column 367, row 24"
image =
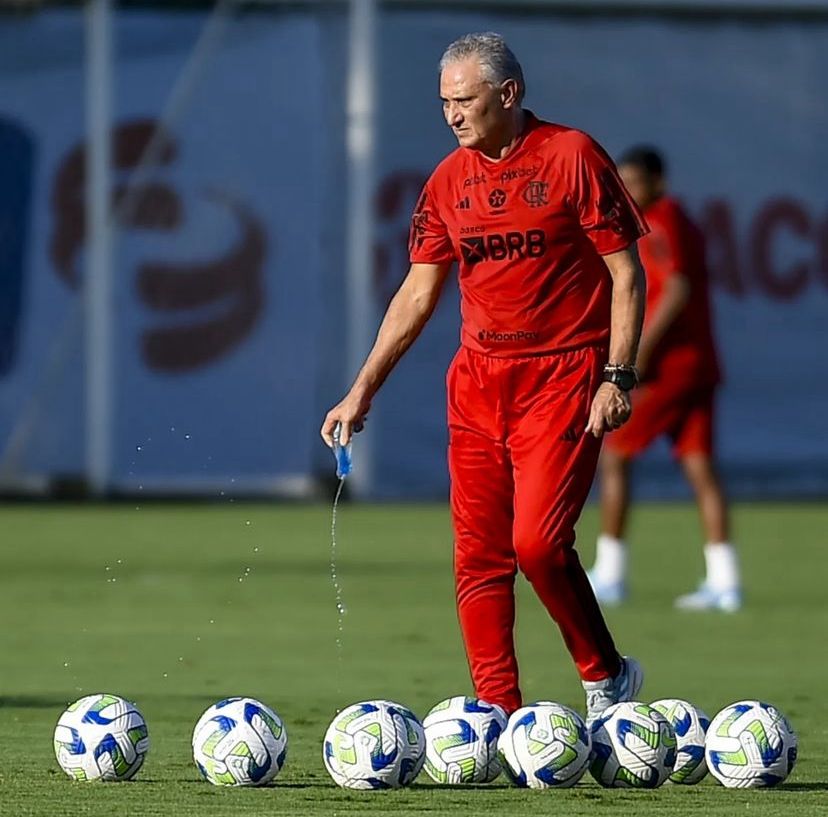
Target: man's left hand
column 611, row 408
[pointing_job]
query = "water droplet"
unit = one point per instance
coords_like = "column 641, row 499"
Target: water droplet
column 106, row 567
column 180, row 657
column 222, row 493
column 114, row 580
column 172, row 428
column 120, row 561
column 256, row 550
column 138, row 448
column 186, row 436
column 247, row 522
column 65, row 663
column 212, row 621
column 198, row 638
column 166, row 675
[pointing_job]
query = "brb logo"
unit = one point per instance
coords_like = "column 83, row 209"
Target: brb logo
column 213, row 303
column 503, row 246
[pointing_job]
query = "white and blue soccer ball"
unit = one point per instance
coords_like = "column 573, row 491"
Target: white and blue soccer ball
column 690, row 726
column 101, row 737
column 374, row 745
column 239, row 742
column 545, row 745
column 750, row 744
column 633, row 746
column 461, row 737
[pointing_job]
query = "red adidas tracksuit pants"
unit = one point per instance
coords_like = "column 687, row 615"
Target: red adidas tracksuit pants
column 521, row 468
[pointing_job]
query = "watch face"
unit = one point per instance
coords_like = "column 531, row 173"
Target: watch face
column 625, row 380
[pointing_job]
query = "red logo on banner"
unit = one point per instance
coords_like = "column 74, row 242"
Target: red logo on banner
column 231, row 285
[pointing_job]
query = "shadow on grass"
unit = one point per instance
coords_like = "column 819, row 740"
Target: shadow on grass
column 32, row 702
column 490, row 787
column 792, row 787
column 62, row 701
column 201, row 784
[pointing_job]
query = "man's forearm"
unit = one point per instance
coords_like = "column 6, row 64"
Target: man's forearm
column 627, row 316
column 404, row 319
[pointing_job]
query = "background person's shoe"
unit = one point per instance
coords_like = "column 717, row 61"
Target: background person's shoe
column 706, row 598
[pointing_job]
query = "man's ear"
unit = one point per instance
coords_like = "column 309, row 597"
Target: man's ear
column 509, row 94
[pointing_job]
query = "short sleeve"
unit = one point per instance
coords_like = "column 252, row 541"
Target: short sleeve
column 608, row 215
column 428, row 241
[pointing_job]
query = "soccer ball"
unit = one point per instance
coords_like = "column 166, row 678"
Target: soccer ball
column 545, row 745
column 461, row 741
column 633, row 746
column 101, row 737
column 750, row 744
column 374, row 745
column 690, row 725
column 239, row 742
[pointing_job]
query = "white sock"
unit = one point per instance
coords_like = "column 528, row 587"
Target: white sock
column 610, row 560
column 722, row 566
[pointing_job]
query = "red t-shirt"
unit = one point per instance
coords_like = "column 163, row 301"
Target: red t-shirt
column 528, row 232
column 675, row 246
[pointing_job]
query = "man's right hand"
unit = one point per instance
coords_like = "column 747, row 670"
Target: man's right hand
column 351, row 413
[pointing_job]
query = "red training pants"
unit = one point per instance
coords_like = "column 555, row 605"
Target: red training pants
column 521, row 467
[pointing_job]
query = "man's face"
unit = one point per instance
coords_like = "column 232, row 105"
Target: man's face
column 474, row 109
column 643, row 187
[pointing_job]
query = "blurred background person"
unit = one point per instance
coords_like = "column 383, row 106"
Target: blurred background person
column 680, row 373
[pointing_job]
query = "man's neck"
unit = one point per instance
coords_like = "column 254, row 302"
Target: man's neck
column 502, row 147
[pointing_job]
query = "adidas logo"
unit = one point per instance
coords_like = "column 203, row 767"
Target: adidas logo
column 463, row 204
column 570, row 436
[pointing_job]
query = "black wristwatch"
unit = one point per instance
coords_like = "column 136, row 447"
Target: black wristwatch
column 625, row 377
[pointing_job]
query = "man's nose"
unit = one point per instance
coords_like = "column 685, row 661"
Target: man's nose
column 453, row 115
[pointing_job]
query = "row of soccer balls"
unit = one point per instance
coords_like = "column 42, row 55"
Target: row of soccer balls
column 381, row 744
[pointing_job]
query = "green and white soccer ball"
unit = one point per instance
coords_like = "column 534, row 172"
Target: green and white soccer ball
column 633, row 746
column 690, row 726
column 101, row 737
column 545, row 745
column 750, row 744
column 239, row 742
column 461, row 737
column 374, row 745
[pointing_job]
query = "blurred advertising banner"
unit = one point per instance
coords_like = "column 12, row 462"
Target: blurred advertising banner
column 738, row 107
column 216, row 275
column 230, row 250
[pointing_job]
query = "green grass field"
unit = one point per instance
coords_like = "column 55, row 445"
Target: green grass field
column 147, row 603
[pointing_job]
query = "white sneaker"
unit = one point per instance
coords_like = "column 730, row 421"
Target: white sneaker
column 601, row 695
column 610, row 594
column 706, row 598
